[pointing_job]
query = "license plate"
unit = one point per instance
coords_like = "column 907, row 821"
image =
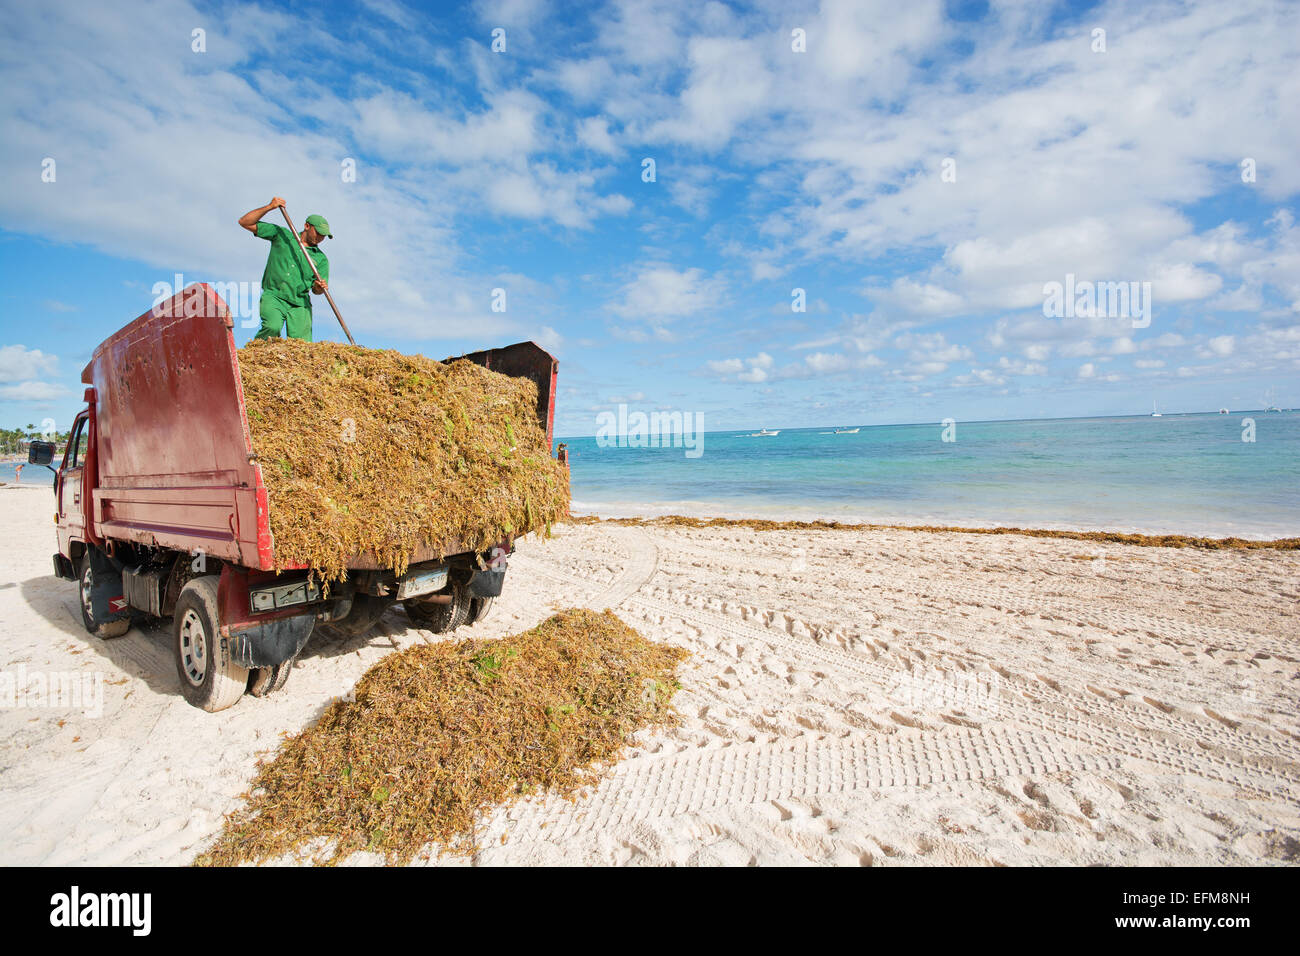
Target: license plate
column 284, row 595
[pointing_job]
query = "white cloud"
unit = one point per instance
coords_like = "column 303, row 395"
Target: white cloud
column 1220, row 345
column 521, row 14
column 548, row 338
column 1182, row 282
column 755, row 369
column 17, row 363
column 662, row 292
column 593, row 132
column 728, row 83
column 32, row 392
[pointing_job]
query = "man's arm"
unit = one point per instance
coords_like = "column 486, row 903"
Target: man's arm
column 250, row 219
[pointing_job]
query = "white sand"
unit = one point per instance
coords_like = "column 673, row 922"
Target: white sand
column 852, row 698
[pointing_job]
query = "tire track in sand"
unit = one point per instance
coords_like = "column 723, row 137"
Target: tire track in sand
column 701, row 779
column 1269, row 776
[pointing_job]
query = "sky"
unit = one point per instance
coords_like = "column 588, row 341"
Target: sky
column 652, row 190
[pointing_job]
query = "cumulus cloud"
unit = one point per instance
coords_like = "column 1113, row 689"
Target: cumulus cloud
column 664, row 293
column 755, row 369
column 18, row 363
column 32, row 391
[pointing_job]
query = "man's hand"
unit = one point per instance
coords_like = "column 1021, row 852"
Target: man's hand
column 250, row 219
column 318, row 287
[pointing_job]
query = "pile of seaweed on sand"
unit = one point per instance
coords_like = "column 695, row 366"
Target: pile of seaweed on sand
column 370, row 451
column 439, row 733
column 1118, row 537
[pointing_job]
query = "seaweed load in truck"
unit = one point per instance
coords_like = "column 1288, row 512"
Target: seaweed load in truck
column 366, row 451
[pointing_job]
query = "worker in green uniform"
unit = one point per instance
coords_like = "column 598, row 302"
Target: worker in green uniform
column 285, row 301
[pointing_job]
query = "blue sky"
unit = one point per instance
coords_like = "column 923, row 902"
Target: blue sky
column 824, row 170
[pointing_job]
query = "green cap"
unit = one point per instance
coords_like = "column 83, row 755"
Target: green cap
column 321, row 225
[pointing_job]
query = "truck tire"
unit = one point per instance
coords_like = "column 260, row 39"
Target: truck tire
column 440, row 618
column 101, row 629
column 210, row 679
column 479, row 608
column 267, row 680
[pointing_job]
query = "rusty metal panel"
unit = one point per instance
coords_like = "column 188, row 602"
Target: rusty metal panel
column 172, row 441
column 531, row 361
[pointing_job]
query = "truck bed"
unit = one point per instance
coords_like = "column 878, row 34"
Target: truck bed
column 175, row 460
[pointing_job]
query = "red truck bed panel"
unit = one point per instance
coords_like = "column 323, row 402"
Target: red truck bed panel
column 173, row 441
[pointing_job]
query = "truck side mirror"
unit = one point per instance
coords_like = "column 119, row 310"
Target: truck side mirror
column 40, row 453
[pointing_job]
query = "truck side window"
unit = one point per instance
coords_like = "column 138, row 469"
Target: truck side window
column 78, row 443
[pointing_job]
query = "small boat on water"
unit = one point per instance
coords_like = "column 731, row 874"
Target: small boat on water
column 846, row 431
column 1223, row 411
column 764, row 433
column 1154, row 412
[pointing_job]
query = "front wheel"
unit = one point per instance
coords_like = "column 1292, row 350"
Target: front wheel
column 210, row 679
column 88, row 582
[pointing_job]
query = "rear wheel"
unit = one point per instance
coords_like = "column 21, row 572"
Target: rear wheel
column 438, row 617
column 210, row 679
column 267, row 680
column 89, row 580
column 479, row 608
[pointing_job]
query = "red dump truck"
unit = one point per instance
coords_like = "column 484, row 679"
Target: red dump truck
column 162, row 512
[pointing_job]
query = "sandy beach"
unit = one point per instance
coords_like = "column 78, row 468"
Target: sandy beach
column 880, row 697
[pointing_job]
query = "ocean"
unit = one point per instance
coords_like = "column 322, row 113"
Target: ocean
column 1176, row 474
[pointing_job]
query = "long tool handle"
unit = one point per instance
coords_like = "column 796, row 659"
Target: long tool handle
column 328, row 298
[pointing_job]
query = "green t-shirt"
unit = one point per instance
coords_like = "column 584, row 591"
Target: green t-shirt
column 287, row 275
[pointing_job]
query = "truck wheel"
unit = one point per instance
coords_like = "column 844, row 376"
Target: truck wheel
column 210, row 679
column 479, row 608
column 267, row 680
column 102, row 629
column 440, row 618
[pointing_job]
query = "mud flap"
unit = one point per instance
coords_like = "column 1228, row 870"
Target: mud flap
column 487, row 583
column 271, row 643
column 63, row 568
column 107, row 602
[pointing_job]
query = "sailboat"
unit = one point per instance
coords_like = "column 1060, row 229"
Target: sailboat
column 1154, row 412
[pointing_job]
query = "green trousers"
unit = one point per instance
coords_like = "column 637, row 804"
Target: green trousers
column 276, row 314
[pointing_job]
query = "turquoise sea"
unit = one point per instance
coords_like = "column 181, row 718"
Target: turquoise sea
column 1188, row 473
